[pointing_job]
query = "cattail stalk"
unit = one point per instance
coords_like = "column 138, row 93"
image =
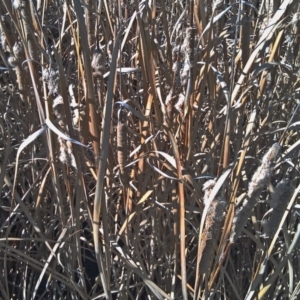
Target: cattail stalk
column 16, row 61
column 25, row 12
column 66, row 149
column 259, row 182
column 122, row 151
column 212, row 226
column 90, row 22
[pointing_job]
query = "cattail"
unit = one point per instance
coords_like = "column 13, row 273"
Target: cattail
column 177, row 53
column 98, row 63
column 3, row 38
column 185, row 73
column 213, row 223
column 122, row 150
column 66, row 155
column 272, row 155
column 169, row 98
column 59, row 111
column 180, row 102
column 279, row 201
column 263, row 174
column 18, row 51
column 176, row 68
column 170, row 104
column 207, row 188
column 16, row 60
column 259, row 182
column 7, row 35
column 186, row 46
column 51, row 77
column 66, row 149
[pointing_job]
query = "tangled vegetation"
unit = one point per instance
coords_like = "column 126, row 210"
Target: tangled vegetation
column 149, row 149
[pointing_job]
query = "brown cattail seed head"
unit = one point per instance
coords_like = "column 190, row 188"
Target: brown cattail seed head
column 213, row 223
column 122, row 151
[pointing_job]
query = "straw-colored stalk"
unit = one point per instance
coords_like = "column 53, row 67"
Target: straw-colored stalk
column 25, row 12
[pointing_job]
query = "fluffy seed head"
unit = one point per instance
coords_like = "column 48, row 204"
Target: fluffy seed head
column 98, row 62
column 263, row 174
column 272, row 155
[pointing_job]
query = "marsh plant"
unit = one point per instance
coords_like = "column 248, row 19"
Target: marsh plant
column 149, row 149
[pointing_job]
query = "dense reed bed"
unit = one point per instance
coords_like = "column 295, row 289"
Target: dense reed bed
column 149, row 149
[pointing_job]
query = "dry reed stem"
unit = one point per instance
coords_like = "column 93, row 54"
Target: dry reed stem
column 91, row 110
column 259, row 62
column 25, row 12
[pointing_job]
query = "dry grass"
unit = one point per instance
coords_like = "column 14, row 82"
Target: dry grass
column 140, row 152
